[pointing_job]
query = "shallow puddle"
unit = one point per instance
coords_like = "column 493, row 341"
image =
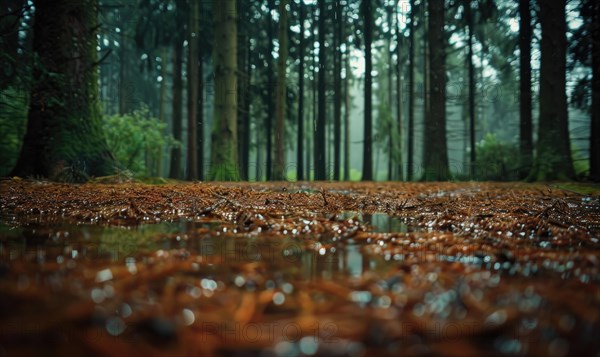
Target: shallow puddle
column 378, row 222
column 212, row 242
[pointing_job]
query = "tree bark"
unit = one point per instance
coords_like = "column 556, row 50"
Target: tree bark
column 123, row 92
column 300, row 138
column 471, row 100
column 192, row 101
column 64, row 139
column 595, row 120
column 279, row 168
column 175, row 171
column 435, row 154
column 553, row 155
column 158, row 171
column 224, row 132
column 319, row 146
column 399, row 92
column 200, row 112
column 337, row 91
column 367, row 174
column 269, row 126
column 243, row 97
column 525, row 120
column 390, row 168
column 245, row 140
column 347, row 107
column 411, row 94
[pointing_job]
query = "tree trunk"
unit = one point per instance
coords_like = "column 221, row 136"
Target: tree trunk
column 123, row 92
column 595, row 120
column 224, row 132
column 158, row 171
column 390, row 96
column 435, row 158
column 399, row 92
column 426, row 78
column 367, row 174
column 200, row 112
column 192, row 102
column 337, row 92
column 320, row 151
column 411, row 94
column 269, row 126
column 300, row 138
column 242, row 90
column 245, row 140
column 279, row 168
column 177, row 102
column 64, row 139
column 347, row 116
column 311, row 138
column 525, row 120
column 553, row 155
column 471, row 100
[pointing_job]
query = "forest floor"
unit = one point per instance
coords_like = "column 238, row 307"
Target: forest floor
column 289, row 269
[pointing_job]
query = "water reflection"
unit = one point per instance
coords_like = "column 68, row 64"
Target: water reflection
column 212, row 243
column 378, row 222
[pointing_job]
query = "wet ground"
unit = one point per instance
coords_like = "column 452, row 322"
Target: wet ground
column 292, row 269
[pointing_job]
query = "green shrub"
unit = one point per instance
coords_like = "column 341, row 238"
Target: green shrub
column 137, row 141
column 496, row 160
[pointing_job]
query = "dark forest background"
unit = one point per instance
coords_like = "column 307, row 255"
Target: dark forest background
column 300, row 89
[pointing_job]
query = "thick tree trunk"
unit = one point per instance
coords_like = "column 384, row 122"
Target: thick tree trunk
column 553, row 155
column 300, row 138
column 367, row 174
column 64, row 139
column 525, row 120
column 192, row 101
column 279, row 168
column 411, row 95
column 224, row 133
column 435, row 158
column 595, row 120
column 319, row 146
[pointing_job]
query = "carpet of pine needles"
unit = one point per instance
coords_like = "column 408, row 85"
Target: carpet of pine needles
column 290, row 269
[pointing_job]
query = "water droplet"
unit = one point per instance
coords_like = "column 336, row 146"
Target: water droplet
column 115, row 326
column 308, row 345
column 188, row 317
column 496, row 318
column 125, row 310
column 97, row 295
column 278, row 298
column 104, row 275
